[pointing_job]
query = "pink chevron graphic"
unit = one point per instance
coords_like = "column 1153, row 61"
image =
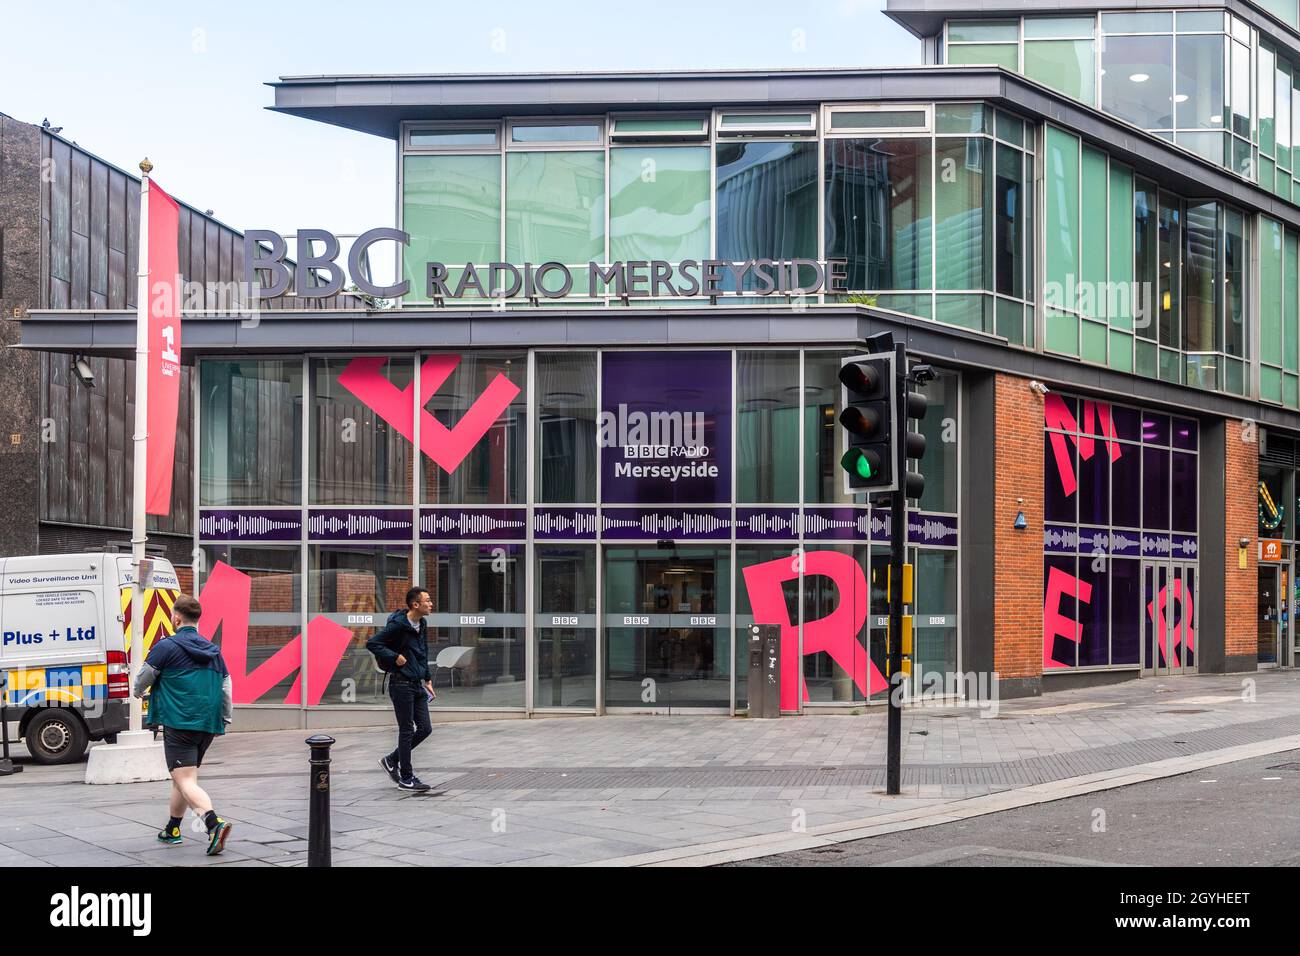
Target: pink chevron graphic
column 1056, row 415
column 836, row 633
column 226, row 599
column 364, row 378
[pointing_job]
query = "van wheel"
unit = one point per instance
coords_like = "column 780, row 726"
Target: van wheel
column 57, row 736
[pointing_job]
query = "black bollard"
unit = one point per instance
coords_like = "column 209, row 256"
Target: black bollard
column 318, row 814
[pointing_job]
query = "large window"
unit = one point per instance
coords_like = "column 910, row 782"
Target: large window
column 659, row 203
column 1120, row 509
column 252, row 434
column 357, row 455
column 766, row 202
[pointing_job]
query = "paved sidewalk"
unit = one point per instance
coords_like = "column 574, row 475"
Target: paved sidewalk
column 621, row 790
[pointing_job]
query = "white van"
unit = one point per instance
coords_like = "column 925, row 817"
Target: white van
column 64, row 637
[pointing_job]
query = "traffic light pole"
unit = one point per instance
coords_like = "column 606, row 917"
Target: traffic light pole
column 897, row 556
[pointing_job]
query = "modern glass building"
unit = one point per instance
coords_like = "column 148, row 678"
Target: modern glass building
column 598, row 424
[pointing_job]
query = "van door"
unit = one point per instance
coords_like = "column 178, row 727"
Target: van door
column 52, row 624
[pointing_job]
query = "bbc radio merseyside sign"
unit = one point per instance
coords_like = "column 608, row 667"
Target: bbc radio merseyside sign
column 321, row 275
column 665, row 427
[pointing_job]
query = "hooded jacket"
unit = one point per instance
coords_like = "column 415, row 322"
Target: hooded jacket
column 400, row 636
column 191, row 686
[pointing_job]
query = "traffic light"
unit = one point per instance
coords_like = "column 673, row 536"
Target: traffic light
column 868, row 421
column 914, row 442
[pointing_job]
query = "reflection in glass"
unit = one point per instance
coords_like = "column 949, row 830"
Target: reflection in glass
column 659, row 203
column 476, row 630
column 566, row 421
column 350, row 581
column 251, row 412
column 766, row 202
column 767, row 426
column 356, row 456
column 565, row 627
column 1137, row 79
column 668, row 627
column 878, row 211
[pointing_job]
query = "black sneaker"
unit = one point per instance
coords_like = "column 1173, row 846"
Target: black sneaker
column 390, row 768
column 413, row 783
column 169, row 835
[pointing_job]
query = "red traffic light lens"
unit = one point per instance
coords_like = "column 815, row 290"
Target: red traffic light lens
column 860, row 377
column 864, row 422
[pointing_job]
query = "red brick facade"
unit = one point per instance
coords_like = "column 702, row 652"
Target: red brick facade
column 1018, row 581
column 1241, row 520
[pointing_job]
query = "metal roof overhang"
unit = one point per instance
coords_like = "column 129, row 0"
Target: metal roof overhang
column 292, row 332
column 379, row 104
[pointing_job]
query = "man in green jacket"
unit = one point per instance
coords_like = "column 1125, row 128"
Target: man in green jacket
column 191, row 701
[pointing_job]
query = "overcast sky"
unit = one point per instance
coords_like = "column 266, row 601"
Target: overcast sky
column 183, row 83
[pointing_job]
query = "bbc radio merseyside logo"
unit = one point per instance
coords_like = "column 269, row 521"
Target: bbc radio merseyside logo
column 660, row 437
column 75, row 910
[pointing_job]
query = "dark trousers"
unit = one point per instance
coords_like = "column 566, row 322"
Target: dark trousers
column 412, row 709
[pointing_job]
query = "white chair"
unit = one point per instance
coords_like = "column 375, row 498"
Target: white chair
column 453, row 658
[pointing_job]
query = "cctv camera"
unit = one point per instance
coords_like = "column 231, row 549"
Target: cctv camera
column 1039, row 387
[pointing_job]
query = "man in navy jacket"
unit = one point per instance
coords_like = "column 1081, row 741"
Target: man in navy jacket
column 402, row 648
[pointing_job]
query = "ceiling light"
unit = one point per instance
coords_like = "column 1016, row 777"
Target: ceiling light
column 1139, row 77
column 1181, row 98
column 1216, row 118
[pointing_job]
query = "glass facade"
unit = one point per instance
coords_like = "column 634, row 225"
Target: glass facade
column 1141, row 279
column 1120, row 546
column 596, row 529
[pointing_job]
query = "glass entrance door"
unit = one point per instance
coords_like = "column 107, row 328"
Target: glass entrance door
column 1268, row 618
column 668, row 627
column 1168, row 618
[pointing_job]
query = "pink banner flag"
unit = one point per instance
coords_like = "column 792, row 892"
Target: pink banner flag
column 164, row 348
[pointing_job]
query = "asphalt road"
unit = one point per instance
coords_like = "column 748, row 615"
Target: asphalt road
column 1240, row 814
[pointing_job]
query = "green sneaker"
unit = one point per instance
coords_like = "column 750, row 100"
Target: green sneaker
column 217, row 837
column 169, row 835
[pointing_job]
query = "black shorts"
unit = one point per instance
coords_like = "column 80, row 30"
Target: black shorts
column 185, row 748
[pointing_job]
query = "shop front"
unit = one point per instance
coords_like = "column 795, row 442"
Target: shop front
column 596, row 528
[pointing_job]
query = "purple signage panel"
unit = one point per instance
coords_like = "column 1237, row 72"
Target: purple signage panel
column 359, row 524
column 564, row 524
column 474, row 524
column 1184, row 547
column 1125, row 544
column 665, row 427
column 837, row 524
column 1156, row 545
column 250, row 525
column 1094, row 540
column 655, row 524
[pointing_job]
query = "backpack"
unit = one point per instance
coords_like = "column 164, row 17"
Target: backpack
column 388, row 666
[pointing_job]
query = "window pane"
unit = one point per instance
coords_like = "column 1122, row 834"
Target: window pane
column 682, row 125
column 1199, row 93
column 1200, row 274
column 1125, row 610
column 1171, row 246
column 1153, row 22
column 1040, row 27
column 1190, row 21
column 941, row 443
column 659, row 203
column 493, row 471
column 1120, row 292
column 1095, row 182
column 1062, row 215
column 1284, row 10
column 547, row 133
column 1155, row 488
column 454, row 137
column 1146, row 239
column 1239, row 99
column 766, row 202
column 1125, row 478
column 1184, row 492
column 357, row 457
column 1270, row 291
column 479, row 664
column 555, row 207
column 1235, row 283
column 767, row 426
column 878, row 211
column 878, row 119
column 566, row 422
column 1005, row 55
column 745, row 120
column 959, row 214
column 983, row 30
column 1267, row 139
column 252, row 433
column 1137, row 80
column 1064, row 65
column 1010, row 213
column 451, row 206
column 565, row 627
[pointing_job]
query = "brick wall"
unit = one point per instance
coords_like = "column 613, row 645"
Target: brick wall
column 1241, row 520
column 1018, row 578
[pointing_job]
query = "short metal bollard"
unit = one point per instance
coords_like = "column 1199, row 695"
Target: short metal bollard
column 318, row 814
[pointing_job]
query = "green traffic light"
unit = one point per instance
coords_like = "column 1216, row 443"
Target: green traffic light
column 860, row 463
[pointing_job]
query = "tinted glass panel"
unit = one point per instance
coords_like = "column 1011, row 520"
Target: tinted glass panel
column 766, row 201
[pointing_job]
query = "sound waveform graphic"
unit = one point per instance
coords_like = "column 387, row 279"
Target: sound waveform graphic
column 467, row 523
column 1119, row 542
column 1157, row 544
column 816, row 524
column 657, row 523
column 1064, row 537
column 1186, row 546
column 355, row 525
column 549, row 522
column 766, row 523
column 243, row 525
column 929, row 529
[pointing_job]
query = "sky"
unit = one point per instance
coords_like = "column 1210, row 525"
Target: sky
column 183, row 82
